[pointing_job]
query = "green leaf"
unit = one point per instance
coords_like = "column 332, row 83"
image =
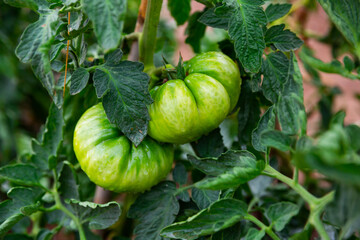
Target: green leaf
column 245, row 29
column 284, row 40
column 345, row 15
column 248, row 115
column 108, row 20
column 180, row 10
column 267, row 122
column 276, row 11
column 46, row 150
column 349, row 64
column 34, row 47
column 204, row 198
column 180, row 70
column 124, row 88
column 290, row 106
column 337, row 119
column 99, row 216
column 217, row 17
column 353, row 132
column 276, row 139
column 180, row 174
column 17, row 236
column 210, row 145
column 195, row 31
column 254, row 234
column 90, row 235
column 79, row 80
column 344, row 210
column 184, row 196
column 294, row 85
column 306, row 234
column 152, row 218
column 34, row 5
column 333, row 156
column 220, row 215
column 23, row 174
column 255, row 82
column 76, row 20
column 291, row 114
column 69, row 187
column 234, row 232
column 280, row 214
column 45, row 234
column 56, row 50
column 11, row 210
column 276, row 70
column 36, row 35
column 231, row 169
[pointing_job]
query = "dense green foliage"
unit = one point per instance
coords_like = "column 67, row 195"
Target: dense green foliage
column 252, row 177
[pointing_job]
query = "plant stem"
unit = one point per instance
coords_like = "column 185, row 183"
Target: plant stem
column 296, row 175
column 316, row 205
column 267, row 229
column 148, row 38
column 128, row 201
column 61, row 207
column 308, row 197
column 133, row 36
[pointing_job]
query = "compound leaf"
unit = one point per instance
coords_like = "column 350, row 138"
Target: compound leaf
column 152, row 218
column 124, row 88
column 220, row 215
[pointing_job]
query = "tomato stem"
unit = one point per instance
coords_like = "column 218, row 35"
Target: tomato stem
column 148, row 37
column 61, row 207
column 130, row 198
column 267, row 229
column 316, row 205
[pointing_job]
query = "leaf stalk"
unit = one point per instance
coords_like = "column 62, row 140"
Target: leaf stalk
column 267, row 229
column 61, row 207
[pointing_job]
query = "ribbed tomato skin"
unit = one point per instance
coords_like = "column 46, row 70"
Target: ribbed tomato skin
column 183, row 110
column 111, row 161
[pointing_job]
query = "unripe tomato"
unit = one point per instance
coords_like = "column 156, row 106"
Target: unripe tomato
column 111, row 161
column 183, row 110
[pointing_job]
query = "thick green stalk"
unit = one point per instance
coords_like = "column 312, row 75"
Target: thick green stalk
column 308, row 197
column 128, row 201
column 316, row 205
column 148, row 38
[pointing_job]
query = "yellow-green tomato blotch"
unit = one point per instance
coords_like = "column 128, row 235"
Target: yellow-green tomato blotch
column 220, row 67
column 111, row 161
column 183, row 110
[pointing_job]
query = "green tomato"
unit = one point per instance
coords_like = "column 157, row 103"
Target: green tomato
column 183, row 110
column 111, row 161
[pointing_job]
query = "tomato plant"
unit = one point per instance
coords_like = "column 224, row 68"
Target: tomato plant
column 107, row 132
